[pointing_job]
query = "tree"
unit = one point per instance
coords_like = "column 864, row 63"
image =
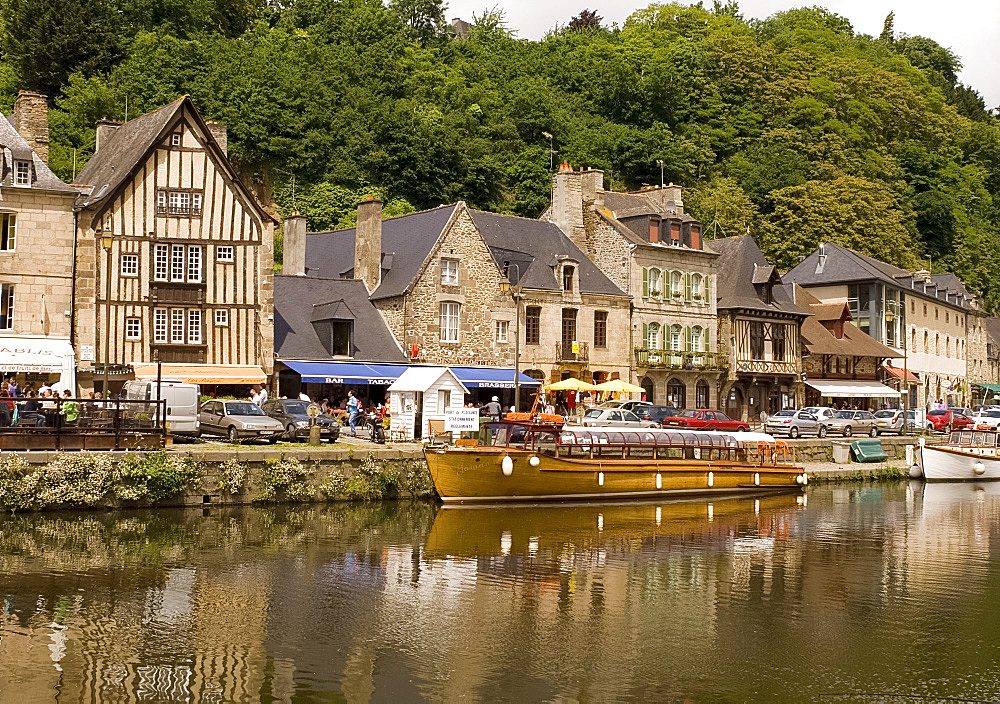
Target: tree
column 888, row 28
column 723, row 208
column 587, row 19
column 424, row 19
column 48, row 41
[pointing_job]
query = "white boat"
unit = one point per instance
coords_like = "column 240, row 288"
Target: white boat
column 969, row 455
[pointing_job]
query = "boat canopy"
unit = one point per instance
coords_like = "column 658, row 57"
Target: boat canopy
column 575, row 435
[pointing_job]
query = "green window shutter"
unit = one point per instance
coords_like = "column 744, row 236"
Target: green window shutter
column 688, row 339
column 706, row 290
column 687, row 287
column 645, row 335
column 705, row 334
column 645, row 283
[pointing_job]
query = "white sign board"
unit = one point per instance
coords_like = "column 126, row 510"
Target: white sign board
column 86, row 353
column 461, row 419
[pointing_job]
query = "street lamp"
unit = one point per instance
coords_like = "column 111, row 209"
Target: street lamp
column 107, row 241
column 549, row 136
column 659, row 162
column 517, row 294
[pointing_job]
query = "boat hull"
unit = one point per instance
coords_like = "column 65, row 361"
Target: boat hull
column 945, row 464
column 469, row 475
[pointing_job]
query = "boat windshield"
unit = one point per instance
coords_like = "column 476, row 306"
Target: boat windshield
column 969, row 438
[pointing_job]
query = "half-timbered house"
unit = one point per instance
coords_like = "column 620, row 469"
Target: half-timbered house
column 174, row 255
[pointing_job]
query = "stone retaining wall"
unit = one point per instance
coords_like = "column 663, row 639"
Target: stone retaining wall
column 817, row 450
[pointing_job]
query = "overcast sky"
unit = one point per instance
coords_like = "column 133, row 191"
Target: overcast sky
column 970, row 28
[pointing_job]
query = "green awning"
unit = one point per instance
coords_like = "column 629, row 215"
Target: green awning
column 995, row 388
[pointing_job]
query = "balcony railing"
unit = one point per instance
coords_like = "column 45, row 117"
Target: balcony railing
column 766, row 366
column 565, row 353
column 676, row 359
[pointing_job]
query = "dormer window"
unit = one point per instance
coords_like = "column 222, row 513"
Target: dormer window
column 175, row 139
column 568, row 273
column 22, row 172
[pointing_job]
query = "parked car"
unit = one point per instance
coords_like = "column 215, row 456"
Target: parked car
column 181, row 397
column 625, row 405
column 238, row 420
column 986, row 420
column 655, row 413
column 853, row 423
column 615, row 417
column 890, row 420
column 945, row 420
column 794, row 424
column 704, row 419
column 822, row 413
column 292, row 413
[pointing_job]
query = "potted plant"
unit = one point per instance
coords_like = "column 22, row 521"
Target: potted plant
column 654, row 293
column 676, row 294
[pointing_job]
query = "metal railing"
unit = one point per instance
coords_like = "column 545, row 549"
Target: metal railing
column 764, row 366
column 676, row 359
column 81, row 423
column 565, row 353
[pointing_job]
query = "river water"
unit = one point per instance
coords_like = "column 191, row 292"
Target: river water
column 846, row 593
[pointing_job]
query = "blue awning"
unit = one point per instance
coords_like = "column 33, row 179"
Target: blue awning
column 346, row 372
column 491, row 377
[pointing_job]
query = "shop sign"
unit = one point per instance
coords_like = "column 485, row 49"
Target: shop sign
column 461, row 419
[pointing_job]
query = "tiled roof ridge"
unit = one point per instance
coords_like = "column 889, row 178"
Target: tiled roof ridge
column 394, row 217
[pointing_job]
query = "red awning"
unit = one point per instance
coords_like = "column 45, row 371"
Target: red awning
column 897, row 373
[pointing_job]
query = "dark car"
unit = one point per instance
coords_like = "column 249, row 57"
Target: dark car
column 655, row 413
column 292, row 413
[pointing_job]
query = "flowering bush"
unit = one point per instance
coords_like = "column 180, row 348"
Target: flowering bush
column 15, row 492
column 233, row 476
column 79, row 479
column 283, row 480
column 152, row 477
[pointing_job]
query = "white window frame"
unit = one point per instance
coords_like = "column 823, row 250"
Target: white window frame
column 503, row 331
column 443, row 400
column 175, row 139
column 225, row 253
column 178, row 257
column 450, row 311
column 194, row 326
column 11, row 219
column 161, row 262
column 160, row 325
column 449, row 272
column 196, row 200
column 130, row 265
column 676, row 284
column 161, row 202
column 653, row 336
column 11, row 301
column 194, row 260
column 22, row 172
column 178, row 321
column 655, row 284
column 133, row 328
column 221, row 318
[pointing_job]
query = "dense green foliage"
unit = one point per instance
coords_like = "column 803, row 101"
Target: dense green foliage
column 795, row 127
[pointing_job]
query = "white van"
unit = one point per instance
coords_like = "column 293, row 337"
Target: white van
column 182, row 402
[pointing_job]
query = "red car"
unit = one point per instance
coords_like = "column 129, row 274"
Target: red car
column 942, row 421
column 704, row 419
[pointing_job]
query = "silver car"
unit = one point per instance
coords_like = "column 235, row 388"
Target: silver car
column 238, row 420
column 849, row 423
column 890, row 420
column 615, row 417
column 794, row 424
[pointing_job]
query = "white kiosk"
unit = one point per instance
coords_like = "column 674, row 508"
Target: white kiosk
column 421, row 395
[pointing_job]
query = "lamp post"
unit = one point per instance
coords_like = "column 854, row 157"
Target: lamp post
column 659, row 162
column 516, row 294
column 549, row 136
column 106, row 243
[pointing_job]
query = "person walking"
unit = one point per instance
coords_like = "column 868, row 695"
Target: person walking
column 493, row 408
column 352, row 413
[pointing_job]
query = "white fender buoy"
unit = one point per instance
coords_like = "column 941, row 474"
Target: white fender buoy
column 507, row 465
column 659, row 481
column 711, row 478
column 805, row 479
column 915, row 472
column 979, row 468
column 534, row 461
column 600, row 479
column 799, row 479
column 756, row 478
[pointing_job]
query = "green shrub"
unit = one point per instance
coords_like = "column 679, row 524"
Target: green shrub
column 371, row 481
column 234, row 476
column 152, row 477
column 283, row 480
column 15, row 492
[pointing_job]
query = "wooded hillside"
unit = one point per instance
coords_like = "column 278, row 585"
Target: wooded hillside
column 794, row 127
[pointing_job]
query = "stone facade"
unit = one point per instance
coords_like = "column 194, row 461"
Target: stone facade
column 980, row 366
column 607, row 248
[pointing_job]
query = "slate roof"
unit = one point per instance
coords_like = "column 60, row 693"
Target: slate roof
column 992, row 326
column 820, row 340
column 539, row 244
column 44, row 179
column 406, row 242
column 844, row 265
column 298, row 300
column 739, row 262
column 112, row 164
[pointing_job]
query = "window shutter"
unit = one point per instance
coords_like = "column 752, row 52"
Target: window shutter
column 688, row 339
column 645, row 283
column 705, row 334
column 706, row 290
column 645, row 335
column 687, row 287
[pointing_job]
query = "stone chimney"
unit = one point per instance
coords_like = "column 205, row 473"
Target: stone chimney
column 368, row 243
column 592, row 186
column 31, row 120
column 567, row 204
column 295, row 245
column 105, row 128
column 666, row 199
column 220, row 133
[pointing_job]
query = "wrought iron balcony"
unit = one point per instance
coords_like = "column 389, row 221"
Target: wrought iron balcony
column 565, row 353
column 676, row 359
column 766, row 366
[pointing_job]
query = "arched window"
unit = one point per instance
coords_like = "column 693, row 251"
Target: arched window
column 648, row 388
column 927, row 344
column 937, row 344
column 696, row 341
column 696, row 287
column 701, row 395
column 653, row 336
column 947, row 346
column 913, row 344
column 675, row 337
column 676, row 393
column 655, row 290
column 676, row 284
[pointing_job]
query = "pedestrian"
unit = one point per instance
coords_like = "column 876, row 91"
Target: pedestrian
column 493, row 408
column 70, row 409
column 303, row 396
column 352, row 411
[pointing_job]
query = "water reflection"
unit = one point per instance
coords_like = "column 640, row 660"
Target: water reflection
column 842, row 593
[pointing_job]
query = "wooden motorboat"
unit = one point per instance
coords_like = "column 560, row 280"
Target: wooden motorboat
column 538, row 458
column 969, row 455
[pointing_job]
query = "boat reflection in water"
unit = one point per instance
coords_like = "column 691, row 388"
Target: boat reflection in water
column 476, row 531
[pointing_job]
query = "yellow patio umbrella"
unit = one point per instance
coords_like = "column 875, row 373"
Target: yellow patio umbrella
column 570, row 384
column 617, row 386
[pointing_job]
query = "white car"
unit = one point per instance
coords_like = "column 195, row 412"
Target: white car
column 986, row 420
column 823, row 413
column 615, row 417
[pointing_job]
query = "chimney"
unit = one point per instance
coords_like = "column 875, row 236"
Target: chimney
column 666, row 199
column 368, row 243
column 105, row 128
column 220, row 133
column 567, row 204
column 31, row 120
column 295, row 245
column 592, row 186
